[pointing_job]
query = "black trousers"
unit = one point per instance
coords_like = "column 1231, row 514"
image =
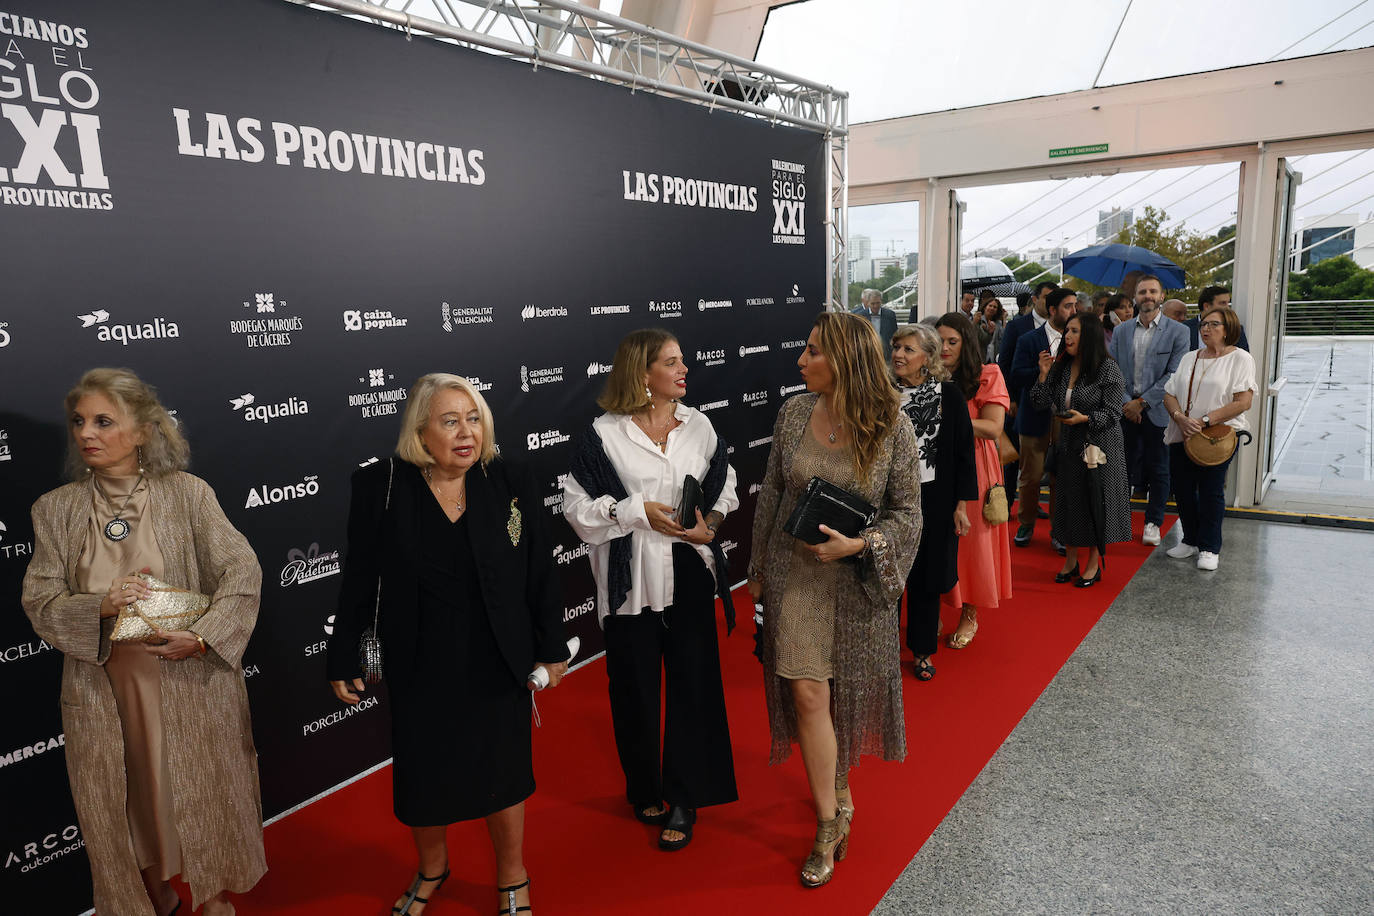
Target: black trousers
column 922, row 621
column 678, row 648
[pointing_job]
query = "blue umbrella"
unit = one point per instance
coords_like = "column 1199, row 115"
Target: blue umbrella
column 1105, row 265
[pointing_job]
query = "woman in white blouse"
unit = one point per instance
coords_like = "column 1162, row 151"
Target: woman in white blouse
column 1214, row 384
column 656, row 576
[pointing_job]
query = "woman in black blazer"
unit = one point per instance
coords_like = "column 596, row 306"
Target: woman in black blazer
column 949, row 480
column 469, row 604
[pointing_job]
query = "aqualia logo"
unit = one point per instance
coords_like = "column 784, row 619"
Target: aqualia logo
column 124, row 334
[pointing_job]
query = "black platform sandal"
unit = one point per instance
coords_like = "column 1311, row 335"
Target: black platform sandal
column 645, row 814
column 413, row 895
column 508, row 907
column 680, row 819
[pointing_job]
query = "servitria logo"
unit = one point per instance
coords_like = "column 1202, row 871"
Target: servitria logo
column 10, row 548
column 124, row 334
column 265, row 495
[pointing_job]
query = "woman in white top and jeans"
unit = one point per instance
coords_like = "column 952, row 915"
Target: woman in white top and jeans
column 1213, row 384
column 655, row 581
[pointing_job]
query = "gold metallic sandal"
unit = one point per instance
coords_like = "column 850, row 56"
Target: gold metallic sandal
column 844, row 800
column 958, row 640
column 831, row 834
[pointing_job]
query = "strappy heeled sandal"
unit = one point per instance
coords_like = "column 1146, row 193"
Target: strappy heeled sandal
column 958, row 640
column 508, row 907
column 845, row 803
column 831, row 834
column 413, row 895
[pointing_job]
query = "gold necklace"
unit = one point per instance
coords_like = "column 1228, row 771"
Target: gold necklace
column 457, row 503
column 833, row 428
column 648, row 430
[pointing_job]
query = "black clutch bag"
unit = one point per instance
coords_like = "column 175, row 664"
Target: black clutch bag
column 692, row 499
column 823, row 503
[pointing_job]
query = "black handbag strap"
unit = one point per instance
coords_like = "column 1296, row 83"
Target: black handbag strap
column 386, row 506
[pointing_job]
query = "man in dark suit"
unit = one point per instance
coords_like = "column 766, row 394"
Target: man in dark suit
column 1035, row 426
column 1210, row 297
column 884, row 320
column 1022, row 324
column 1148, row 350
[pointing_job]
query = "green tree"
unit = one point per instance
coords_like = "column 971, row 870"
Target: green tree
column 1025, row 271
column 1333, row 278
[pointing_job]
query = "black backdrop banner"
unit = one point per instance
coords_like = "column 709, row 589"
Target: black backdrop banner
column 281, row 218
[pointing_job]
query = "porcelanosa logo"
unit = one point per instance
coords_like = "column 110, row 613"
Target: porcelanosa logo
column 789, row 202
column 254, row 412
column 307, row 565
column 58, row 152
column 565, row 557
column 453, row 316
column 759, row 300
column 792, row 345
column 39, row 852
column 267, row 324
column 371, row 320
column 534, row 311
column 124, row 334
column 544, row 375
column 24, row 650
column 595, row 368
column 264, row 495
column 29, row 751
column 536, row 441
column 711, row 357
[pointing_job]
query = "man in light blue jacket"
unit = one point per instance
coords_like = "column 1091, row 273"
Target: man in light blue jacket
column 1148, row 349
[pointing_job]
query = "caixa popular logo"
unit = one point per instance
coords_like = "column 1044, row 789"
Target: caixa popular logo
column 4, row 334
column 789, row 202
column 105, row 330
column 265, row 495
column 565, row 557
column 254, row 412
column 371, row 320
column 42, row 850
column 536, row 441
column 307, row 565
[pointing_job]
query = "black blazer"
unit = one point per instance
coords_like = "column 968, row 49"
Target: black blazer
column 519, row 582
column 936, row 568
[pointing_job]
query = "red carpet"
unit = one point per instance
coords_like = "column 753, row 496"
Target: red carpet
column 346, row 854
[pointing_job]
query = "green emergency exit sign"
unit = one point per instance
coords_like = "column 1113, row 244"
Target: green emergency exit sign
column 1078, row 150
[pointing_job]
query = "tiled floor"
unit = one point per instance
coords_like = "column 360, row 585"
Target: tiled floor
column 1325, row 429
column 1208, row 749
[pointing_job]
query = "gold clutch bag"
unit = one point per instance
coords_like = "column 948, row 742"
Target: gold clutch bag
column 167, row 608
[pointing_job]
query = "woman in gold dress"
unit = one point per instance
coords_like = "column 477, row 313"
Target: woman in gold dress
column 160, row 751
column 831, row 655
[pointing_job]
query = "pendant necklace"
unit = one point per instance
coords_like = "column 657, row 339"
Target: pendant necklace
column 833, row 427
column 116, row 529
column 648, row 432
column 429, row 477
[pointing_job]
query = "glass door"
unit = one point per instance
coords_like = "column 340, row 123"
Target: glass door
column 1274, row 379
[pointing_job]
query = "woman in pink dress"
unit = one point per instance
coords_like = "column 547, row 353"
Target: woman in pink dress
column 985, row 553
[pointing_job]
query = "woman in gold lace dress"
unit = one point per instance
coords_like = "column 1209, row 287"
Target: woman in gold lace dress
column 160, row 749
column 831, row 655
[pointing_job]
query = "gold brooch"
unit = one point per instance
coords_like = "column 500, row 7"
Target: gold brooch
column 513, row 524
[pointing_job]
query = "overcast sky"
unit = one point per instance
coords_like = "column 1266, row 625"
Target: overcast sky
column 900, row 57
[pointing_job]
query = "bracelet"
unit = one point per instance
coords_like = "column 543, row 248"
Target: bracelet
column 201, row 639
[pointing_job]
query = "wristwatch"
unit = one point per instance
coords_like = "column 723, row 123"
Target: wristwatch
column 1206, row 420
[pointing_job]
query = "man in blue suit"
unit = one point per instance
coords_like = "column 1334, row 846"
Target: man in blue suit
column 1035, row 426
column 884, row 319
column 1148, row 349
column 1218, row 296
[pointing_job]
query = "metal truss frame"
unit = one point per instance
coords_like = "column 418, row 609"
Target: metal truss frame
column 569, row 36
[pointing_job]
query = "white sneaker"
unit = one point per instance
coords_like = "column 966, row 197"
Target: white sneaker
column 1151, row 535
column 1181, row 551
column 1206, row 560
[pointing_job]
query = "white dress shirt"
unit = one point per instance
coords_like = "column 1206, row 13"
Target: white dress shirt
column 1055, row 337
column 648, row 474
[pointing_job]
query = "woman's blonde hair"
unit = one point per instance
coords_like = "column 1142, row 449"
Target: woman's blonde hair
column 928, row 339
column 865, row 398
column 624, row 392
column 164, row 449
column 410, row 447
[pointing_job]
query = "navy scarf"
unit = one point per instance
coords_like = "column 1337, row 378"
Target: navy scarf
column 594, row 471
